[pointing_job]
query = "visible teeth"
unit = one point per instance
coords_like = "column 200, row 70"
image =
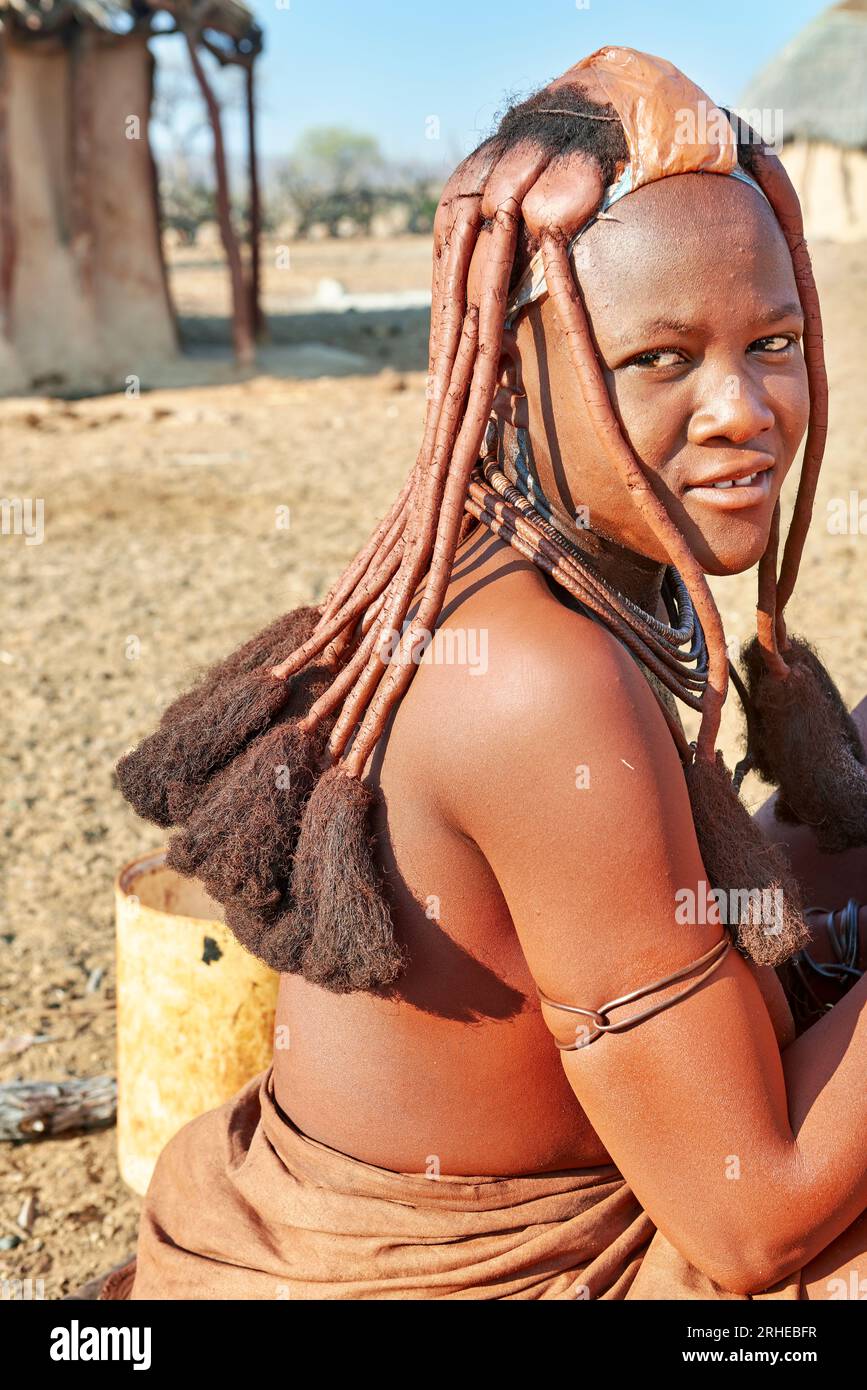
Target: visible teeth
column 736, row 482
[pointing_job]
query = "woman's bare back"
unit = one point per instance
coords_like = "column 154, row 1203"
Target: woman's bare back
column 458, row 1072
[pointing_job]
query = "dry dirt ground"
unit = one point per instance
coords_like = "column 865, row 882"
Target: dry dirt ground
column 162, row 550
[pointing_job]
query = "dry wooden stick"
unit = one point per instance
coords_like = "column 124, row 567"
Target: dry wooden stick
column 32, row 1110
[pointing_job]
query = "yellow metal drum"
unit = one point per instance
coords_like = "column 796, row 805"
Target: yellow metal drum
column 195, row 1011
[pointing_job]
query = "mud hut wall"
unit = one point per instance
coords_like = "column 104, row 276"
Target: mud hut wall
column 89, row 299
column 831, row 183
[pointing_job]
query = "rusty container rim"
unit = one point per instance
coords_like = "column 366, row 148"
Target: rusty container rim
column 134, row 868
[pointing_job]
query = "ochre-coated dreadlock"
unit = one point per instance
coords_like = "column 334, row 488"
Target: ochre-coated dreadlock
column 261, row 764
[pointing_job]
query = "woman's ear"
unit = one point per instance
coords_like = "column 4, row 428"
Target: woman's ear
column 510, row 402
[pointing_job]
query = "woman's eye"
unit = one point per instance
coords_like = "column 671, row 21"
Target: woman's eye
column 778, row 343
column 659, row 357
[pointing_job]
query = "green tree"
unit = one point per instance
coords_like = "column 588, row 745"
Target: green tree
column 331, row 174
column 336, row 158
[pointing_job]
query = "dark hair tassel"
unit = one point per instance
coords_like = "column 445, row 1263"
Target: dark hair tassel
column 275, row 641
column 280, row 942
column 240, row 839
column 337, row 891
column 804, row 741
column 163, row 777
column 738, row 859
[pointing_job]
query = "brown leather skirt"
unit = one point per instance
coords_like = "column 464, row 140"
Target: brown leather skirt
column 242, row 1205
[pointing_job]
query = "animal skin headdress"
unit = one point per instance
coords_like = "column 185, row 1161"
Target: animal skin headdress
column 292, row 856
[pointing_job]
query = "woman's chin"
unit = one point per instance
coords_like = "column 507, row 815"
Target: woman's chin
column 733, row 544
column 731, row 557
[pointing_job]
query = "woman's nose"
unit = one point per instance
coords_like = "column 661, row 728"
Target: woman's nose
column 733, row 408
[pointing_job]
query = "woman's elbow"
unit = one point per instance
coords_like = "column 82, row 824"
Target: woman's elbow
column 741, row 1259
column 751, row 1267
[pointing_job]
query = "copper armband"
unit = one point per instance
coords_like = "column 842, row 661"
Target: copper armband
column 712, row 958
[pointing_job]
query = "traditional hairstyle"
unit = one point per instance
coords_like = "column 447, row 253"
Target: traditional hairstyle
column 261, row 764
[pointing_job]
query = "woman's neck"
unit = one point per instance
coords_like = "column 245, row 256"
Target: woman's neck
column 635, row 576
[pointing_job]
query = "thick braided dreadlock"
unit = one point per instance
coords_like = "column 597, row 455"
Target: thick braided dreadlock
column 261, row 764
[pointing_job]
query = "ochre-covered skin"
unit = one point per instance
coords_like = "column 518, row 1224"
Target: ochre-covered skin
column 448, row 834
column 459, row 1063
column 533, row 823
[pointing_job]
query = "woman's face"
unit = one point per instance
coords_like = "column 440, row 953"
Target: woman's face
column 691, row 297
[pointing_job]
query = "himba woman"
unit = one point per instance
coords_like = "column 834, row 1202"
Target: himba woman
column 518, row 1066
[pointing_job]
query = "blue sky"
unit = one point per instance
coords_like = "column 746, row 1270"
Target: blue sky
column 384, row 66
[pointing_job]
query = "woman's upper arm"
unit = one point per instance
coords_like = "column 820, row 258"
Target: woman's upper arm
column 592, row 842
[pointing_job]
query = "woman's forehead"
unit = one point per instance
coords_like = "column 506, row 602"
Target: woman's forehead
column 634, row 223
column 692, row 222
column 697, row 260
column 693, row 200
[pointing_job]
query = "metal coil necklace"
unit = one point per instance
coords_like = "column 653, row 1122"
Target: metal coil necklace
column 516, row 509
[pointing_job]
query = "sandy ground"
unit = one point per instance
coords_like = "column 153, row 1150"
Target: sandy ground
column 162, row 551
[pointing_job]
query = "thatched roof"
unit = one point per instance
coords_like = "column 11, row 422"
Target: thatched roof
column 819, row 80
column 40, row 18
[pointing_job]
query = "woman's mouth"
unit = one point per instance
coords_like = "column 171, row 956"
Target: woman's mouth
column 734, row 490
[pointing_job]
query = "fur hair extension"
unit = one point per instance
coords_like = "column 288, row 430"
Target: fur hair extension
column 737, row 856
column 163, row 777
column 279, row 941
column 338, row 891
column 804, row 741
column 240, row 838
column 209, row 725
column 283, row 635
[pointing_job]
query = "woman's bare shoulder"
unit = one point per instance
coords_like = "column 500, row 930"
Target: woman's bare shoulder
column 513, row 676
column 555, row 759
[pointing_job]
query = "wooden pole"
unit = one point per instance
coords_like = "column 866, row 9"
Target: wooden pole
column 258, row 318
column 157, row 209
column 7, row 217
column 80, row 136
column 242, row 323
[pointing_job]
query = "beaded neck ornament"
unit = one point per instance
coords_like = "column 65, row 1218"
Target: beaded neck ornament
column 506, row 496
